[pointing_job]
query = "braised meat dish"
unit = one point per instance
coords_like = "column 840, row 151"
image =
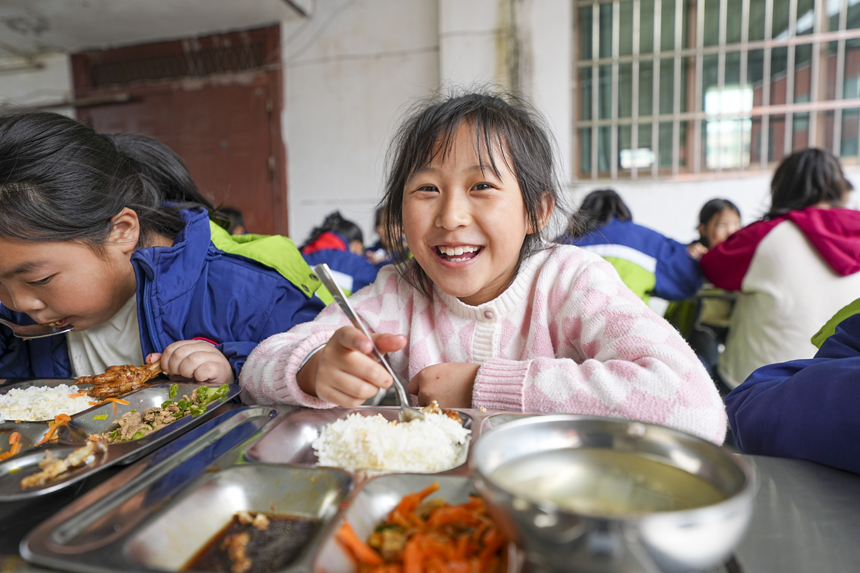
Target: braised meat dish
column 119, row 380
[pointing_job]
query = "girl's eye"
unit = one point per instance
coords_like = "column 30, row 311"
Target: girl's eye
column 428, row 188
column 41, row 282
column 482, row 187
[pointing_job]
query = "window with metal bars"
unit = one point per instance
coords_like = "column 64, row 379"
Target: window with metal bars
column 695, row 87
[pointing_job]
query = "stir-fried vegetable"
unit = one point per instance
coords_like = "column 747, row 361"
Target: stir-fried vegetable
column 133, row 427
column 430, row 536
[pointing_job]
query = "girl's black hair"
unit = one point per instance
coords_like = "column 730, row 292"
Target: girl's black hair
column 62, row 181
column 335, row 222
column 505, row 128
column 806, row 178
column 597, row 210
column 710, row 210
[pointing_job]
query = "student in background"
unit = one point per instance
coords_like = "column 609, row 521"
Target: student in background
column 339, row 243
column 110, row 234
column 493, row 316
column 377, row 253
column 805, row 408
column 704, row 320
column 793, row 269
column 718, row 219
column 237, row 220
column 647, row 262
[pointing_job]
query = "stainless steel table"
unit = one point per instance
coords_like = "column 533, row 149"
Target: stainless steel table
column 806, row 519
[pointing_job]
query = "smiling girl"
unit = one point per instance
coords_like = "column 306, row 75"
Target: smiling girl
column 496, row 317
column 109, row 233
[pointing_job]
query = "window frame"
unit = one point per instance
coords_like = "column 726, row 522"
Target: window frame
column 815, row 107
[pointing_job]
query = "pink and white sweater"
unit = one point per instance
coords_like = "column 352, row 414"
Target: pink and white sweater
column 566, row 336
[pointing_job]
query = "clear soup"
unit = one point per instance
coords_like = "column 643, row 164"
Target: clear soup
column 594, row 481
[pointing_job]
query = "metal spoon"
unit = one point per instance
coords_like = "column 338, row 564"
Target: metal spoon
column 407, row 413
column 35, row 330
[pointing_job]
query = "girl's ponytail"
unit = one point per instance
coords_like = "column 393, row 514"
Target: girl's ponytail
column 165, row 173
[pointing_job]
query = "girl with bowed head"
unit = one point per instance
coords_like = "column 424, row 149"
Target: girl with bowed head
column 110, row 234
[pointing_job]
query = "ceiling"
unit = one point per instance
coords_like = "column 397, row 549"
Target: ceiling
column 32, row 27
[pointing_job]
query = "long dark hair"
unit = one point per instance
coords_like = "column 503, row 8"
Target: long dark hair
column 597, row 210
column 335, row 222
column 710, row 210
column 62, row 181
column 499, row 122
column 806, row 178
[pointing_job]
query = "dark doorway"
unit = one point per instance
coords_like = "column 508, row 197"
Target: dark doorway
column 215, row 100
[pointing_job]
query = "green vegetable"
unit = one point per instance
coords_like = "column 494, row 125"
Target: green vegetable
column 384, row 526
column 202, row 394
column 219, row 393
column 100, row 417
column 197, row 410
column 137, row 435
column 167, row 403
column 183, row 405
column 113, row 434
column 134, row 411
column 174, row 388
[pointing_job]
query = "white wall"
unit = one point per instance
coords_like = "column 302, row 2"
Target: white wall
column 24, row 84
column 350, row 71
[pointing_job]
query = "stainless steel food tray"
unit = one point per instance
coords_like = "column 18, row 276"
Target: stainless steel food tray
column 155, row 518
column 74, row 435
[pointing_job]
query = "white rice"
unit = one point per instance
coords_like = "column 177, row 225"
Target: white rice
column 42, row 403
column 434, row 444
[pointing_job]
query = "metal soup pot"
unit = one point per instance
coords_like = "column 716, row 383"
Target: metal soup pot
column 557, row 539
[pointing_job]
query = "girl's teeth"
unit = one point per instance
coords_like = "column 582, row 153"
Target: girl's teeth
column 457, row 251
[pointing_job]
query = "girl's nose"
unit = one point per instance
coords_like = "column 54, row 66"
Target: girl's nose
column 453, row 212
column 23, row 301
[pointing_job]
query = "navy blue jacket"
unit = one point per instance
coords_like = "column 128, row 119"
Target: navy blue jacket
column 331, row 248
column 667, row 270
column 807, row 409
column 189, row 290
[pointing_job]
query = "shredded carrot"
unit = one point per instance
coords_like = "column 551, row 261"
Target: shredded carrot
column 59, row 420
column 16, row 447
column 118, row 401
column 78, row 395
column 5, row 455
column 93, row 403
column 447, row 539
column 15, row 437
column 360, row 549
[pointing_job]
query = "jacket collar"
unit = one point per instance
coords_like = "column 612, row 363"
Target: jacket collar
column 189, row 251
